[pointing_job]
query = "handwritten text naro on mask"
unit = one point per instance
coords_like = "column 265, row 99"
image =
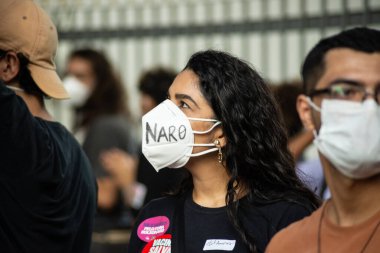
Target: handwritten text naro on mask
column 169, row 133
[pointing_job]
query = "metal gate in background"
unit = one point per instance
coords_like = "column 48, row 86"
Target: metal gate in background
column 273, row 35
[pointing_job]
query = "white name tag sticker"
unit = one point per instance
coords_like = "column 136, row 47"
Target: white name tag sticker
column 219, row 244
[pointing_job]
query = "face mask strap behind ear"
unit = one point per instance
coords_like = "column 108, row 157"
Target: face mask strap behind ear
column 314, row 106
column 205, row 151
column 217, row 123
column 209, row 130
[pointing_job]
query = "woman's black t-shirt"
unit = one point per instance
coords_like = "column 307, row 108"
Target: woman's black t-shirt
column 179, row 224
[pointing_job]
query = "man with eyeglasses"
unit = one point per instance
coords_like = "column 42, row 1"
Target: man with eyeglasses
column 341, row 77
column 47, row 190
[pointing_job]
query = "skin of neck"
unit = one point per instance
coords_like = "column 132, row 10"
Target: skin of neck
column 34, row 103
column 353, row 201
column 210, row 180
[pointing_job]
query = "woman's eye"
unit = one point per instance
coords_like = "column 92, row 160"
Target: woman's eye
column 183, row 105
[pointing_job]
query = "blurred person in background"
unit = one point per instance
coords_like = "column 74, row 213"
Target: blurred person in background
column 153, row 86
column 221, row 123
column 341, row 76
column 102, row 122
column 308, row 169
column 47, row 188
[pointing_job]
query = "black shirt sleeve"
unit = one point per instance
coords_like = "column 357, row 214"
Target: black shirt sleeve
column 47, row 191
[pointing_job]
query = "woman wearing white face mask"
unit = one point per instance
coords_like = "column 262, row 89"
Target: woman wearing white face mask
column 101, row 114
column 221, row 123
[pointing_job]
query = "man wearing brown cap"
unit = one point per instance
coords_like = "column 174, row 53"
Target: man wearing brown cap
column 47, row 191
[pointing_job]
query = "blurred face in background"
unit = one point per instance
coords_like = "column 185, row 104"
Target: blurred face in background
column 82, row 70
column 147, row 103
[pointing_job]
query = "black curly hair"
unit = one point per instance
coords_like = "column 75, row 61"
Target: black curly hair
column 256, row 153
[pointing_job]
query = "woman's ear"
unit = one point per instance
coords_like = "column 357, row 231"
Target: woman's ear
column 219, row 135
column 305, row 112
column 9, row 67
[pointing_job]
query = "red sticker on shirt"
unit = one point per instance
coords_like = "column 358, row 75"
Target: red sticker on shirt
column 161, row 244
column 150, row 228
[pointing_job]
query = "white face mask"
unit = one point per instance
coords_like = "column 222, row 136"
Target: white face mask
column 167, row 136
column 78, row 91
column 349, row 136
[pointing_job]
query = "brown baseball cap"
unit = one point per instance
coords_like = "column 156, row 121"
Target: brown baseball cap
column 25, row 28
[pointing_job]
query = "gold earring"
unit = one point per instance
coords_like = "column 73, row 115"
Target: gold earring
column 220, row 154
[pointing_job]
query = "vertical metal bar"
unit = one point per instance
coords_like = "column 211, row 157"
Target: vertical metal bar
column 105, row 17
column 323, row 19
column 191, row 13
column 227, row 15
column 246, row 49
column 157, row 54
column 139, row 53
column 209, row 14
column 366, row 13
column 122, row 15
column 345, row 16
column 264, row 39
column 174, row 12
column 283, row 44
column 302, row 30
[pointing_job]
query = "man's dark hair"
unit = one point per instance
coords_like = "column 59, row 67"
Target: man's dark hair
column 24, row 77
column 360, row 39
column 156, row 83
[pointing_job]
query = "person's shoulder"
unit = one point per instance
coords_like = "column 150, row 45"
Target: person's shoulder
column 296, row 236
column 60, row 133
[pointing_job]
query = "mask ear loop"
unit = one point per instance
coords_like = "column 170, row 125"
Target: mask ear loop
column 314, row 106
column 318, row 109
column 204, row 132
column 203, row 152
column 217, row 123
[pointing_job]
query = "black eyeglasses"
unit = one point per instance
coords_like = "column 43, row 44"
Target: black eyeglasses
column 346, row 91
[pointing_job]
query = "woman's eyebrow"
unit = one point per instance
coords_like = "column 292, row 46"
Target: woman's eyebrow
column 184, row 96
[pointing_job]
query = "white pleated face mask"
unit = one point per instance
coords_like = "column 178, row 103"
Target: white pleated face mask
column 167, row 136
column 349, row 136
column 77, row 90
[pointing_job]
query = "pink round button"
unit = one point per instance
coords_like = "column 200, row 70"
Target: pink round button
column 153, row 227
